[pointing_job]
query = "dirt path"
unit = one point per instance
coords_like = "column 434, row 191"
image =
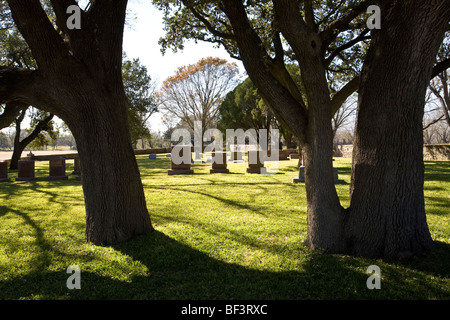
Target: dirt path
column 6, row 155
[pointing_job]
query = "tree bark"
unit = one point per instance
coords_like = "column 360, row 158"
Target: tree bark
column 116, row 209
column 387, row 217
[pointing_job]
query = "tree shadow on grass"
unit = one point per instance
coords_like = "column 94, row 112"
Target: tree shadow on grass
column 176, row 271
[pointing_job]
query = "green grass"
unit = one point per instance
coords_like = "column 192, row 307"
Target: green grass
column 218, row 236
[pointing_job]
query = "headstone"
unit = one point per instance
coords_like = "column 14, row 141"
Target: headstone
column 335, row 176
column 57, row 169
column 152, row 156
column 182, row 168
column 26, row 170
column 4, row 171
column 294, row 156
column 255, row 166
column 236, row 156
column 219, row 162
column 77, row 167
column 301, row 175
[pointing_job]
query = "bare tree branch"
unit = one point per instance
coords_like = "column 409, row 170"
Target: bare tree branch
column 45, row 43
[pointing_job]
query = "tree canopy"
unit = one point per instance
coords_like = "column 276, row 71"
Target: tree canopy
column 195, row 92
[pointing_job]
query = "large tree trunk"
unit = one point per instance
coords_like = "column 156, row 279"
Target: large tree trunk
column 387, row 213
column 325, row 216
column 116, row 209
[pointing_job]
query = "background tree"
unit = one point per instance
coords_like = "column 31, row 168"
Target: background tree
column 328, row 41
column 78, row 78
column 196, row 91
column 243, row 108
column 42, row 132
column 139, row 90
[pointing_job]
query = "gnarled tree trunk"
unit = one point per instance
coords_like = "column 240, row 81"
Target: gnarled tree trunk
column 387, row 213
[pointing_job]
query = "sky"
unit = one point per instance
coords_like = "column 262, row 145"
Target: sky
column 141, row 41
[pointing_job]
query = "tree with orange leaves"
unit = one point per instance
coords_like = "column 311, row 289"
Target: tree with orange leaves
column 195, row 92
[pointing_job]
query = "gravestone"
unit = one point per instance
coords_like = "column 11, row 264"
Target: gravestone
column 236, row 156
column 185, row 166
column 4, row 171
column 301, row 176
column 255, row 166
column 57, row 169
column 77, row 167
column 219, row 162
column 335, row 176
column 294, row 156
column 26, row 170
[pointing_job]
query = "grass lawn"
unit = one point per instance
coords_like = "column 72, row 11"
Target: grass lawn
column 218, row 236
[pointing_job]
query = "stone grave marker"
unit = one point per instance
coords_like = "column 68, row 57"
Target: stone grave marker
column 301, row 176
column 219, row 162
column 26, row 170
column 4, row 171
column 57, row 169
column 77, row 167
column 185, row 166
column 255, row 163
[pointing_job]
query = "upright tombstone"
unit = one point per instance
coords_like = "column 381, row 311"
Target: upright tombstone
column 236, row 156
column 181, row 163
column 4, row 171
column 255, row 163
column 57, row 169
column 301, row 175
column 26, row 170
column 77, row 167
column 219, row 162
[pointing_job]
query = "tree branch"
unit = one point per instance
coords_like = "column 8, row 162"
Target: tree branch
column 343, row 94
column 41, row 126
column 18, row 85
column 293, row 114
column 10, row 112
column 347, row 45
column 206, row 23
column 60, row 8
column 440, row 67
column 329, row 34
column 45, row 43
column 309, row 15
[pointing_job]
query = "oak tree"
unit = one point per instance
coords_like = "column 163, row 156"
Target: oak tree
column 328, row 40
